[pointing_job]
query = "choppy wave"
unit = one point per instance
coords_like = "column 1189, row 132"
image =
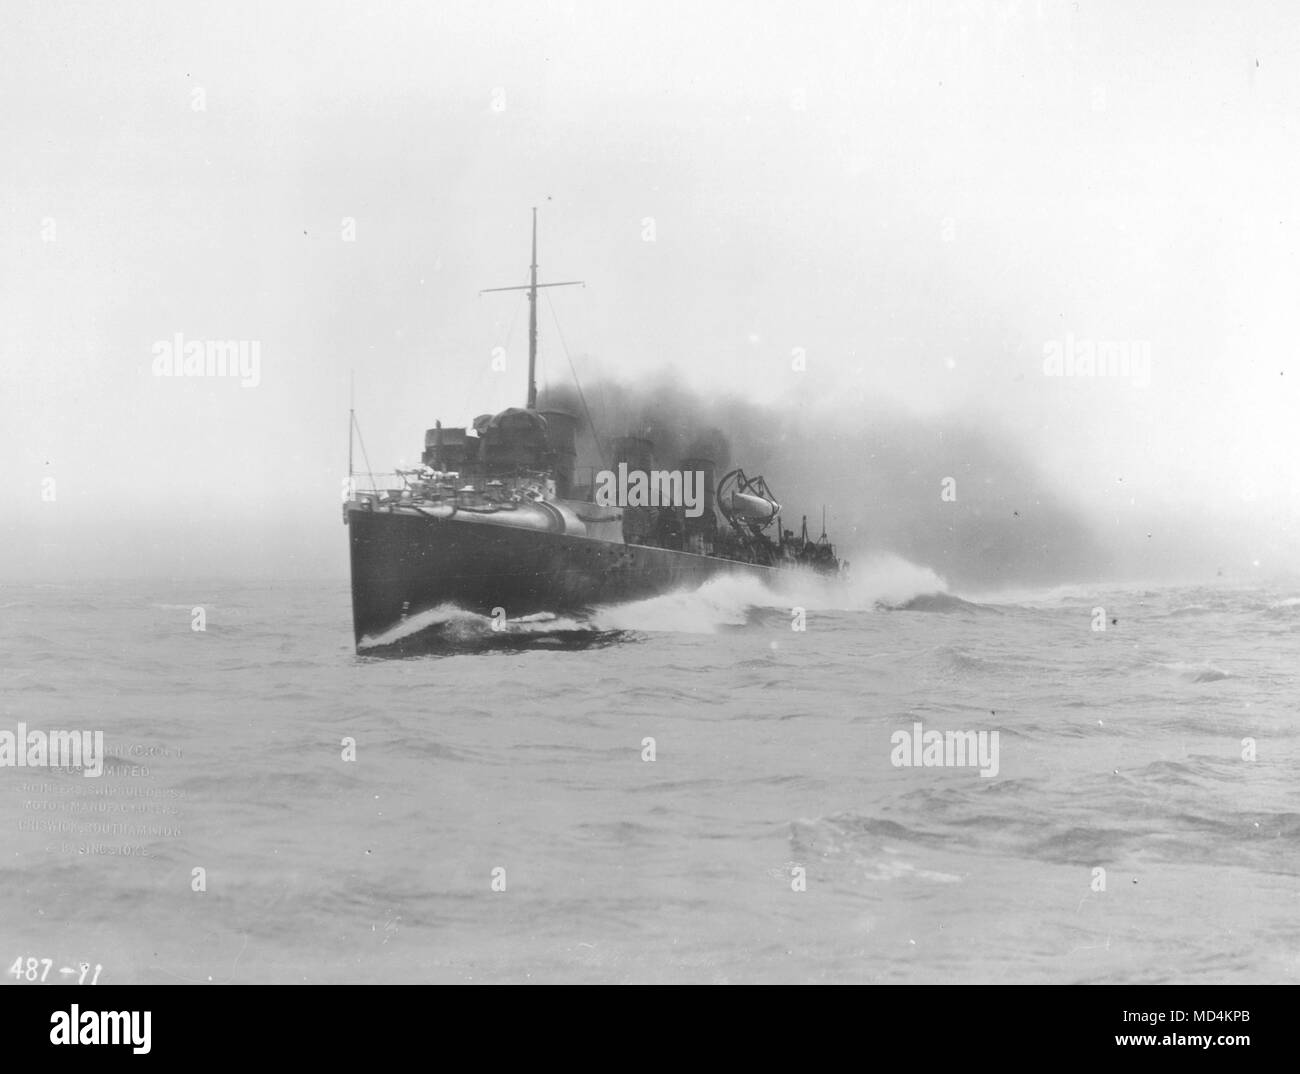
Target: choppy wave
column 1202, row 671
column 870, row 849
column 935, row 602
column 950, row 660
column 1190, row 609
column 1284, row 609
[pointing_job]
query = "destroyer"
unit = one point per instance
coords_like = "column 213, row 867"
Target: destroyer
column 498, row 516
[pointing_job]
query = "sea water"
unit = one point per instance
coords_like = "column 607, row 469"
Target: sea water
column 703, row 786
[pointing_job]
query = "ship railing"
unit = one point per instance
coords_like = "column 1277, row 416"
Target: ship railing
column 401, row 487
column 395, row 481
column 390, row 481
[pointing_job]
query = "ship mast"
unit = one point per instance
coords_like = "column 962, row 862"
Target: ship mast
column 532, row 322
column 532, row 287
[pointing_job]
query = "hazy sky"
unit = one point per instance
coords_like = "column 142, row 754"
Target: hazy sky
column 921, row 199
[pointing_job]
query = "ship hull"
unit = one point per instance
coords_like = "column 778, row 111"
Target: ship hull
column 404, row 563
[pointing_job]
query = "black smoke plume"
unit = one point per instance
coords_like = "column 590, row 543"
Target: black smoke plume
column 880, row 473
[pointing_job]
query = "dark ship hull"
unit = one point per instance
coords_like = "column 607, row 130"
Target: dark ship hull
column 404, row 563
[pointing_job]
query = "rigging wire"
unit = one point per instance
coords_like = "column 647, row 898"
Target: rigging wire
column 361, row 440
column 504, row 344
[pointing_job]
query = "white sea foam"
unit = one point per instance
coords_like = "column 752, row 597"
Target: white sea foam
column 727, row 599
column 461, row 625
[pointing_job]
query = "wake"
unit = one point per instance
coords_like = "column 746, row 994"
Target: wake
column 726, row 601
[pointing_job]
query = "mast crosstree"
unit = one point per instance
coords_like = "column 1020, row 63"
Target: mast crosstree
column 532, row 287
